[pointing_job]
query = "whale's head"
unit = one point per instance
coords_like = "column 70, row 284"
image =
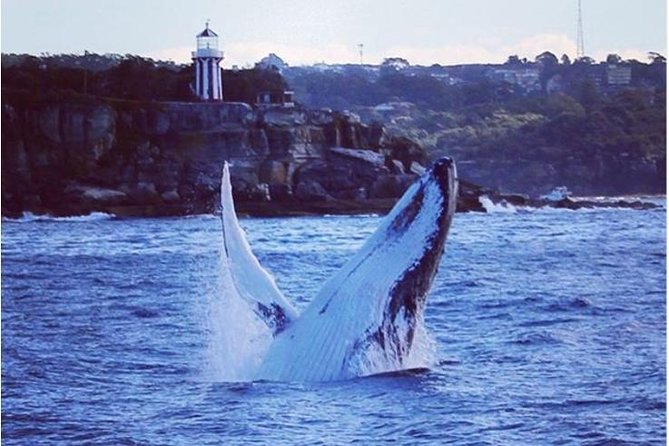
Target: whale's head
column 428, row 215
column 419, row 223
column 432, row 198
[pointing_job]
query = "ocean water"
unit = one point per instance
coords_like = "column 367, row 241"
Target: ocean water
column 550, row 328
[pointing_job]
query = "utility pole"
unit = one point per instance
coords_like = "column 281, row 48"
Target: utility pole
column 360, row 46
column 86, row 72
column 580, row 46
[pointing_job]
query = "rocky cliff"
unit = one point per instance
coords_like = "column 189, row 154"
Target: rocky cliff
column 165, row 158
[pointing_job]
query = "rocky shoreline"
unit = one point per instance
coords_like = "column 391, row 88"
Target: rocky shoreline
column 334, row 207
column 152, row 159
column 165, row 158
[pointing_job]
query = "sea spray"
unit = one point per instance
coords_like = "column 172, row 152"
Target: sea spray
column 238, row 340
column 373, row 361
column 492, row 207
column 28, row 217
column 423, row 352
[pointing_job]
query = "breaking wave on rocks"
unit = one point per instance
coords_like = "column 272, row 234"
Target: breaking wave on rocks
column 494, row 208
column 30, row 217
column 585, row 204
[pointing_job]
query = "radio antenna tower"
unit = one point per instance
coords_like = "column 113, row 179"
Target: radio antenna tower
column 360, row 45
column 580, row 46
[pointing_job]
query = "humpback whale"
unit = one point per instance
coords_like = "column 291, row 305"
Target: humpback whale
column 366, row 318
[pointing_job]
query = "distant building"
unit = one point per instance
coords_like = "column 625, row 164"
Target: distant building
column 207, row 57
column 446, row 78
column 323, row 67
column 526, row 78
column 276, row 98
column 272, row 62
column 618, row 75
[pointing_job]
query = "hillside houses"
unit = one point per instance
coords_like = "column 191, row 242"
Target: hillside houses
column 526, row 77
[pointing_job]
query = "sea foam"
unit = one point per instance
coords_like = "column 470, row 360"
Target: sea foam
column 27, row 217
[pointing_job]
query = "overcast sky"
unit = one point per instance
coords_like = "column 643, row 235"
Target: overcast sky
column 310, row 31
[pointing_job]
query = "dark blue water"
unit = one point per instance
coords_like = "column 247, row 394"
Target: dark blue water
column 550, row 329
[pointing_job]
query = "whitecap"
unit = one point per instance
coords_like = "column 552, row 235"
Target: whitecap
column 27, row 217
column 493, row 208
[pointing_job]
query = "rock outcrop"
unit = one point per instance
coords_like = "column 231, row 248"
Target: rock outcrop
column 165, row 158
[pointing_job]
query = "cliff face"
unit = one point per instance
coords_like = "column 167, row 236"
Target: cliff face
column 166, row 158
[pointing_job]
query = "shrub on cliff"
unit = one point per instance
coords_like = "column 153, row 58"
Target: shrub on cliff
column 127, row 77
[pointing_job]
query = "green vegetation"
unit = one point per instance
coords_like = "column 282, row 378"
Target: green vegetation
column 122, row 77
column 627, row 122
column 524, row 125
column 572, row 127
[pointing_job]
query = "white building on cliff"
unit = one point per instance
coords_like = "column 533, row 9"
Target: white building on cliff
column 207, row 57
column 271, row 62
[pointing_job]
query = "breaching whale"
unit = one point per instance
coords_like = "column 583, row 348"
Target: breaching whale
column 365, row 318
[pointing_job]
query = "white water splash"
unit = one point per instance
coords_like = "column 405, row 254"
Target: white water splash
column 27, row 217
column 424, row 349
column 374, row 361
column 493, row 208
column 238, row 340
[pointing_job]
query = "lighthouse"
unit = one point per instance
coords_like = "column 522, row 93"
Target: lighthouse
column 208, row 83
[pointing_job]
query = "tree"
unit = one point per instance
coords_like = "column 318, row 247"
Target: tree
column 613, row 59
column 560, row 103
column 244, row 85
column 546, row 59
column 393, row 65
column 585, row 60
column 656, row 57
column 587, row 94
column 513, row 60
column 565, row 60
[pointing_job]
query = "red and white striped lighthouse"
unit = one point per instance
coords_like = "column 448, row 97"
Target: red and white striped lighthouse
column 207, row 57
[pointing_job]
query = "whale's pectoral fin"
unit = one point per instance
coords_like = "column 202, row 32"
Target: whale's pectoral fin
column 252, row 281
column 364, row 319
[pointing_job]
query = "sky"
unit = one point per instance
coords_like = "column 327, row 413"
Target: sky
column 310, row 31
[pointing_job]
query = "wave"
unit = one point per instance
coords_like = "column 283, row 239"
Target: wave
column 372, row 215
column 494, row 208
column 28, row 217
column 658, row 200
column 205, row 216
column 597, row 204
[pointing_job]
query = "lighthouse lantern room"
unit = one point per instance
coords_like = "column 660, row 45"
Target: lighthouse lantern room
column 207, row 57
